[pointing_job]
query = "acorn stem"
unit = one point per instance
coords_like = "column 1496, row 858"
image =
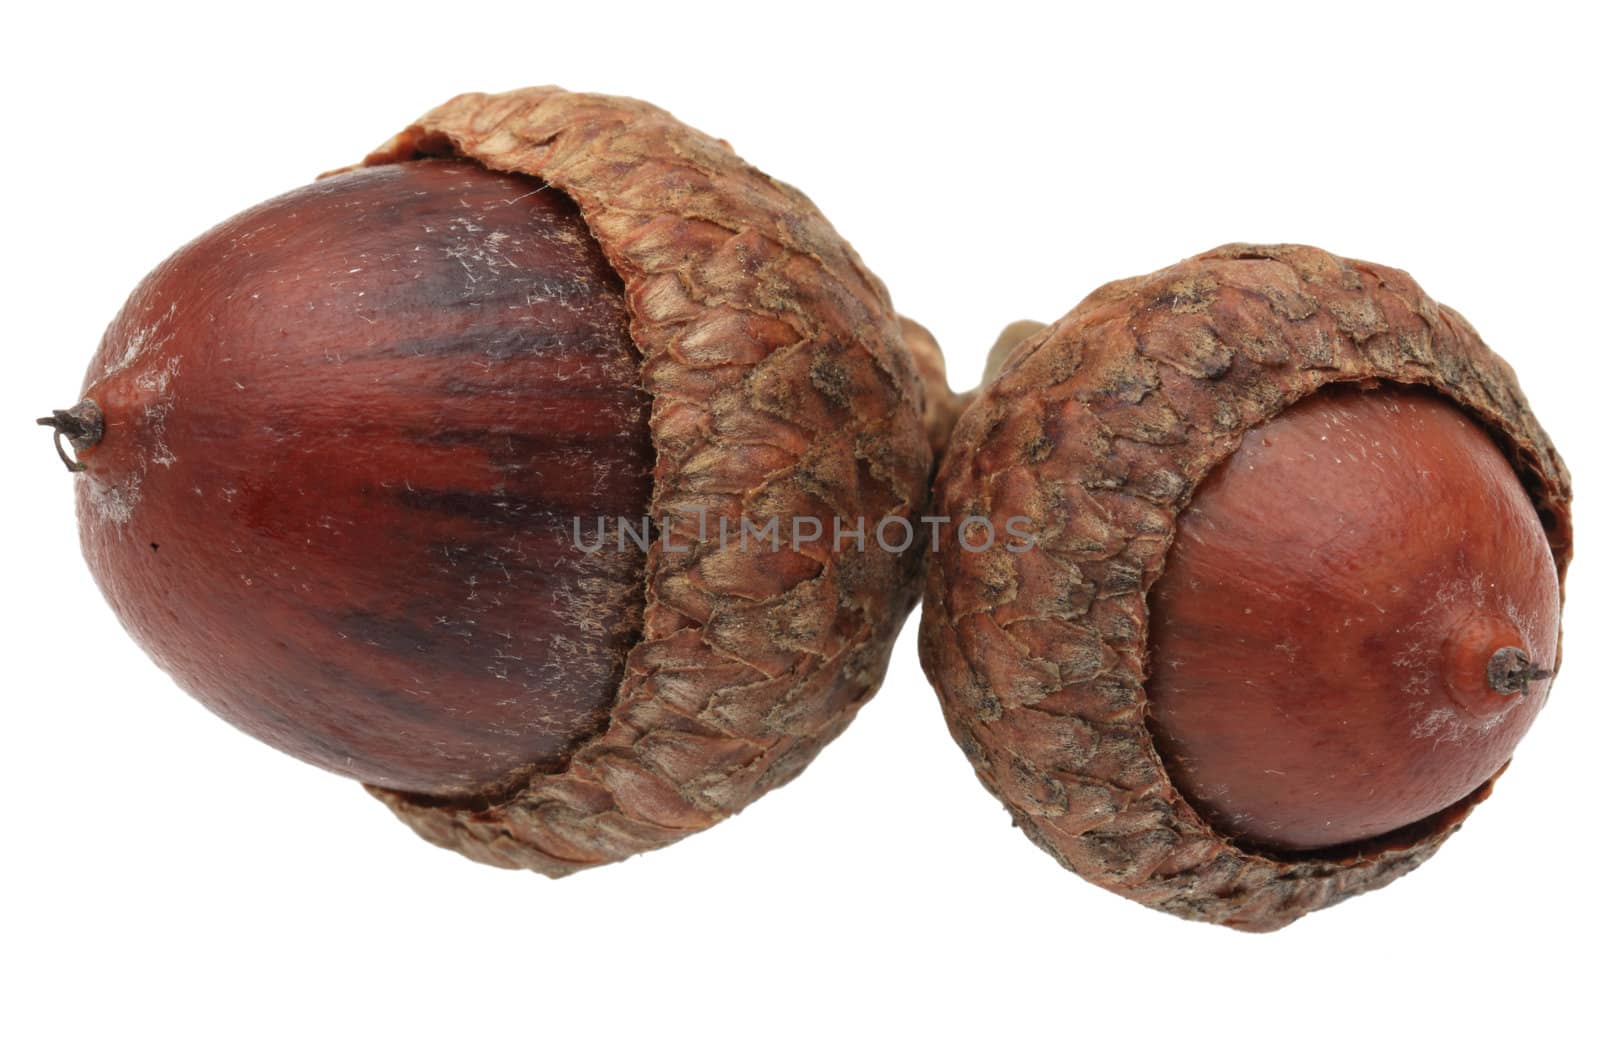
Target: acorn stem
column 942, row 406
column 83, row 425
column 1511, row 670
column 1012, row 336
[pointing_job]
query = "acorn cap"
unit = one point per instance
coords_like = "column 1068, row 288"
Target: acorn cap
column 1099, row 428
column 781, row 385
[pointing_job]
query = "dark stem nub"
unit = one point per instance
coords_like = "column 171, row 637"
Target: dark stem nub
column 82, row 424
column 1511, row 670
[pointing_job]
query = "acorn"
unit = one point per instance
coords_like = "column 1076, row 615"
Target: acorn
column 1290, row 590
column 519, row 472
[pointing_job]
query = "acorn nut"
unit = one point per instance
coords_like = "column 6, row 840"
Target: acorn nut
column 1295, row 588
column 425, row 473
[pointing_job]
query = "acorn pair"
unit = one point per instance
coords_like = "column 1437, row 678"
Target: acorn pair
column 566, row 480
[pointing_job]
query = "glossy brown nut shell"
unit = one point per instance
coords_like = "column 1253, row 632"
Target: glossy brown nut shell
column 343, row 439
column 1324, row 630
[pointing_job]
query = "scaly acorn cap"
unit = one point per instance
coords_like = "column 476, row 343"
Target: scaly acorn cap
column 1098, row 429
column 781, row 385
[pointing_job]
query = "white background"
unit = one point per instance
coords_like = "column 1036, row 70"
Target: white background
column 170, row 886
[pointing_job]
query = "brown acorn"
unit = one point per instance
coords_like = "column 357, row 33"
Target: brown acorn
column 367, row 469
column 1290, row 591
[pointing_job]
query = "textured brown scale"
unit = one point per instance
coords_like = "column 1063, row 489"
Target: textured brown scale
column 780, row 385
column 1099, row 429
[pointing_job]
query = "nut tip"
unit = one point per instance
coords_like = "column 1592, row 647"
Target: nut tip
column 82, row 424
